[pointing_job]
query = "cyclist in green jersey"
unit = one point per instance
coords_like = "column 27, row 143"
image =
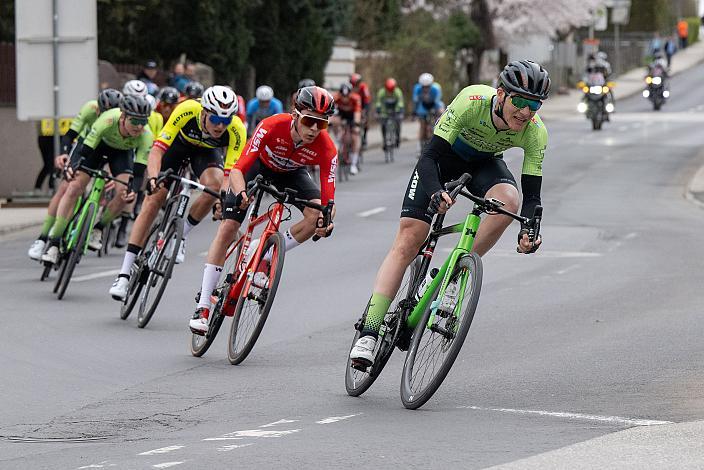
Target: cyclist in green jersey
column 389, row 103
column 80, row 126
column 114, row 138
column 470, row 137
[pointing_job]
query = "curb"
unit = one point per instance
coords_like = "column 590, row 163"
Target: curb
column 694, row 192
column 18, row 227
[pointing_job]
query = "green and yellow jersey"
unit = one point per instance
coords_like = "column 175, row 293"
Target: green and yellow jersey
column 106, row 129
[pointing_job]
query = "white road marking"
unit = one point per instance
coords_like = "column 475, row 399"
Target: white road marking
column 335, row 419
column 281, row 421
column 580, row 416
column 166, row 464
column 233, row 447
column 88, row 277
column 543, row 253
column 622, row 128
column 251, row 433
column 205, row 253
column 370, row 212
column 568, row 269
column 162, row 450
column 102, row 464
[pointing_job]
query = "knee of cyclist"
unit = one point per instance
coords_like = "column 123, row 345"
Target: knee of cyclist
column 228, row 229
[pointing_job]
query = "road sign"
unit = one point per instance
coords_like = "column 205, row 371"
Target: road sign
column 600, row 18
column 619, row 15
column 70, row 46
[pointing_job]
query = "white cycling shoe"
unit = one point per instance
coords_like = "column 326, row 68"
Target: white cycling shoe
column 51, row 255
column 181, row 255
column 118, row 291
column 37, row 250
column 95, row 243
column 363, row 350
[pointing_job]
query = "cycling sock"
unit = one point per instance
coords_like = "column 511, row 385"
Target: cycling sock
column 378, row 306
column 289, row 244
column 211, row 274
column 107, row 217
column 354, row 158
column 188, row 226
column 130, row 256
column 46, row 227
column 59, row 227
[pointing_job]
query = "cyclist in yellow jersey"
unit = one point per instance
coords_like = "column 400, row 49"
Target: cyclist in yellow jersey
column 197, row 130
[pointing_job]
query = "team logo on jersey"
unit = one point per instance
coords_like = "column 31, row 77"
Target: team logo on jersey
column 257, row 139
column 476, row 97
column 535, row 121
column 165, row 136
column 333, row 169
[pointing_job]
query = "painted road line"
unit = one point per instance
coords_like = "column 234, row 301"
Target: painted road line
column 370, row 212
column 233, row 447
column 103, row 464
column 162, row 450
column 166, row 464
column 252, row 433
column 618, row 420
column 543, row 254
column 335, row 419
column 281, row 421
column 568, row 269
column 88, row 277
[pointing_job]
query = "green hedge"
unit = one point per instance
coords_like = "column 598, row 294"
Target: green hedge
column 694, row 24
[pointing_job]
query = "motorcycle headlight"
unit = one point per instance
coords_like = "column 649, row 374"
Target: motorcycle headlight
column 646, row 93
column 648, row 80
column 657, row 80
column 595, row 90
column 605, row 89
column 585, row 89
column 582, row 107
column 665, row 94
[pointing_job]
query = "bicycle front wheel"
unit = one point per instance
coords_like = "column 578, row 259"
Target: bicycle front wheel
column 201, row 343
column 254, row 304
column 433, row 350
column 138, row 275
column 75, row 256
column 160, row 271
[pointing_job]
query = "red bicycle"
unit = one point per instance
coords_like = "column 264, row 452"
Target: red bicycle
column 248, row 287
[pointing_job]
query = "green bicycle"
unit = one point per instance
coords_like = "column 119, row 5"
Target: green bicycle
column 432, row 320
column 74, row 243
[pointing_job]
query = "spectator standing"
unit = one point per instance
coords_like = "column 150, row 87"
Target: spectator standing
column 683, row 33
column 655, row 45
column 147, row 75
column 670, row 49
column 178, row 79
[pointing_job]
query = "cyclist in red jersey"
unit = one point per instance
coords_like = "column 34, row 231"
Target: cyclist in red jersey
column 349, row 109
column 281, row 148
column 361, row 88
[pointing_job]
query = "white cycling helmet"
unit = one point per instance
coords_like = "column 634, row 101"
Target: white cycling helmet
column 426, row 79
column 219, row 100
column 264, row 93
column 134, row 87
column 152, row 101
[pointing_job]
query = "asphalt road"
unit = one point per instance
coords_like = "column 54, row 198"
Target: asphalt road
column 598, row 332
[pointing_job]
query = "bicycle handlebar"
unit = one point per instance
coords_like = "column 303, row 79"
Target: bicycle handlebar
column 102, row 174
column 169, row 174
column 325, row 220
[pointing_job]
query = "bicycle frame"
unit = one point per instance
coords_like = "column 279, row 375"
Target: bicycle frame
column 94, row 196
column 468, row 230
column 245, row 272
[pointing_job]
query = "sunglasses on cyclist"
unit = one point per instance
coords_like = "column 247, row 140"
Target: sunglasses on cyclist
column 215, row 119
column 135, row 121
column 521, row 102
column 310, row 121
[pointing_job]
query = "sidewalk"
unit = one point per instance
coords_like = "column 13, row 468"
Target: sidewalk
column 628, row 84
column 13, row 219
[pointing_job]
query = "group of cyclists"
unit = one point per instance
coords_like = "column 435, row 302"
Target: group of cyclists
column 224, row 149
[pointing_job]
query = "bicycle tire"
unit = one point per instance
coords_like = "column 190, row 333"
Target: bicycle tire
column 138, row 277
column 46, row 270
column 201, row 343
column 75, row 256
column 357, row 382
column 62, row 270
column 470, row 265
column 156, row 280
column 234, row 354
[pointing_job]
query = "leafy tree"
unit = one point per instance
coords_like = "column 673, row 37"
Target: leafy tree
column 7, row 21
column 375, row 22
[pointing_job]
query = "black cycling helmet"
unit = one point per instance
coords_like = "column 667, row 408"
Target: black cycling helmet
column 345, row 89
column 316, row 99
column 109, row 98
column 194, row 90
column 136, row 106
column 306, row 82
column 526, row 78
column 169, row 95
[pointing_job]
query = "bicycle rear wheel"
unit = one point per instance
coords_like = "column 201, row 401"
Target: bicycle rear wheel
column 160, row 271
column 77, row 252
column 201, row 343
column 434, row 350
column 138, row 276
column 358, row 381
column 254, row 304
